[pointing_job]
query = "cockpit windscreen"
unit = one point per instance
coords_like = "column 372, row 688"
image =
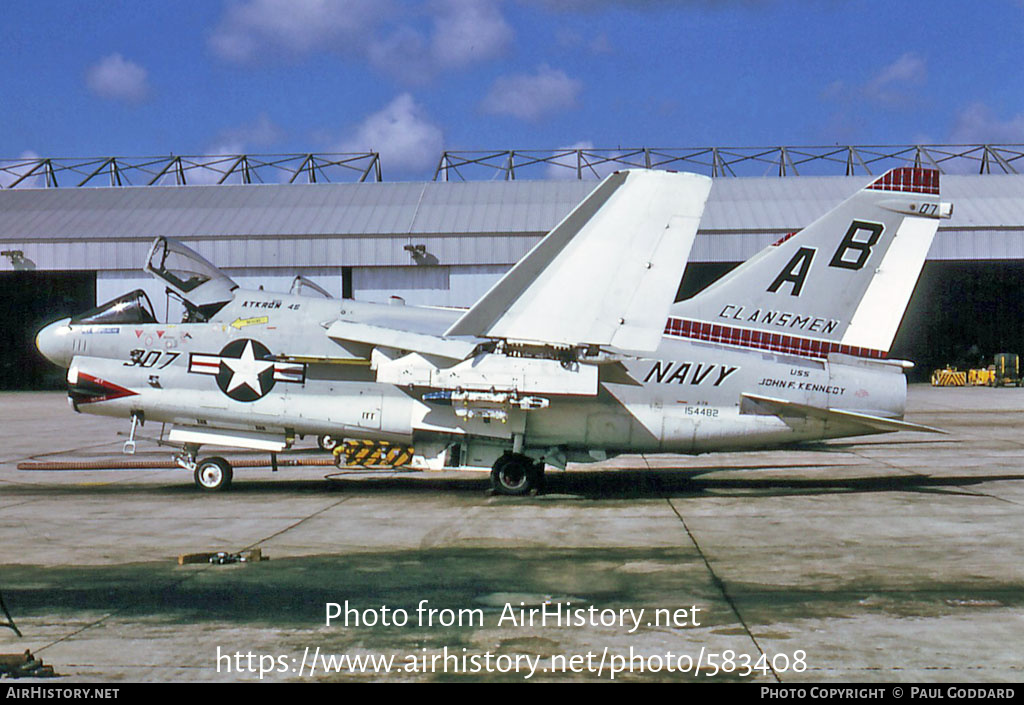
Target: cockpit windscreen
column 129, row 308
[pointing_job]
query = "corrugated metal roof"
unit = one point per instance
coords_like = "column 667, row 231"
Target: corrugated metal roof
column 437, row 207
column 463, row 223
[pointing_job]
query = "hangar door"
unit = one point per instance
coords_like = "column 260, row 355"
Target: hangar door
column 30, row 300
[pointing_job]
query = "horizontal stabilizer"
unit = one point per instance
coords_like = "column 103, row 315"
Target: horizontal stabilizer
column 607, row 274
column 754, row 404
column 401, row 340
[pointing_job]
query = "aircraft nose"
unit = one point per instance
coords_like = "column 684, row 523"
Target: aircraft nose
column 54, row 342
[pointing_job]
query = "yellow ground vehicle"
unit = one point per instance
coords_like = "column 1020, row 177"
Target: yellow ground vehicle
column 949, row 377
column 982, row 378
column 1007, row 370
column 1004, row 372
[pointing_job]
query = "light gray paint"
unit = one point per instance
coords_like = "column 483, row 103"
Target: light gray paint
column 468, row 224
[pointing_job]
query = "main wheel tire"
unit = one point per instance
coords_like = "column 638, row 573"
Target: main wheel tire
column 514, row 476
column 541, row 482
column 213, row 474
column 327, row 442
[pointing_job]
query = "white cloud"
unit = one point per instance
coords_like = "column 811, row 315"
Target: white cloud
column 404, row 54
column 898, row 85
column 118, row 78
column 978, row 124
column 411, row 41
column 897, row 80
column 403, row 135
column 468, row 31
column 532, row 96
column 462, row 33
column 299, row 27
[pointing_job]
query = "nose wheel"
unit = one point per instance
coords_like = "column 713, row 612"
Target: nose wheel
column 213, row 474
column 516, row 475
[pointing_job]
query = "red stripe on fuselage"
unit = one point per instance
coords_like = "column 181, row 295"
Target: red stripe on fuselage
column 114, row 391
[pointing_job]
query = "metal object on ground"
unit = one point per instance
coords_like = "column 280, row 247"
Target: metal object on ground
column 253, row 555
column 372, row 454
column 24, row 666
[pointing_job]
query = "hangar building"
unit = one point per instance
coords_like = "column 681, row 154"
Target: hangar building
column 444, row 242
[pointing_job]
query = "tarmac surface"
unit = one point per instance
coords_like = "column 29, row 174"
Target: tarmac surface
column 884, row 558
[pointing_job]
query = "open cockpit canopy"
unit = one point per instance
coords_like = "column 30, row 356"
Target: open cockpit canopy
column 189, row 275
column 301, row 286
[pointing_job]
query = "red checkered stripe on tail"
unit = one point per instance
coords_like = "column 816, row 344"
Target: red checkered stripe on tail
column 763, row 340
column 908, row 179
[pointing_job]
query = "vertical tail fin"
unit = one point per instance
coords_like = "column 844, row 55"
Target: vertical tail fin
column 842, row 284
column 606, row 274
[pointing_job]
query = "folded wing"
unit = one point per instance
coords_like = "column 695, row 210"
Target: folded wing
column 606, row 275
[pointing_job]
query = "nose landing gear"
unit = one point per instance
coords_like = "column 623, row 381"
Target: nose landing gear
column 327, row 442
column 213, row 474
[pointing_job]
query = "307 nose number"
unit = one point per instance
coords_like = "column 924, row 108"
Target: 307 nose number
column 150, row 358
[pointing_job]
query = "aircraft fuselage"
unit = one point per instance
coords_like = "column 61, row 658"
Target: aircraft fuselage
column 255, row 368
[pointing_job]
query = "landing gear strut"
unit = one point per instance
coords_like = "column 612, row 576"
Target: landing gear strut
column 516, row 475
column 213, row 474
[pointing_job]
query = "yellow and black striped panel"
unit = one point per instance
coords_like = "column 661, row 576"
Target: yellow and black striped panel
column 949, row 378
column 397, row 456
column 373, row 454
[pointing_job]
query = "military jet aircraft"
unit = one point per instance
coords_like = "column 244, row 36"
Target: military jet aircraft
column 577, row 354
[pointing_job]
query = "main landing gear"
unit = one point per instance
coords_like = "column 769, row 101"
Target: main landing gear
column 516, row 475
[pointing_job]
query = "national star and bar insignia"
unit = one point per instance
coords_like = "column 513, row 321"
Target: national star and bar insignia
column 245, row 369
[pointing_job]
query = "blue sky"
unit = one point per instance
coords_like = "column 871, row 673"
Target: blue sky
column 409, row 79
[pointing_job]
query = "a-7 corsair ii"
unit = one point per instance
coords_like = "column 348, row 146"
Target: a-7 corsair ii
column 577, row 354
